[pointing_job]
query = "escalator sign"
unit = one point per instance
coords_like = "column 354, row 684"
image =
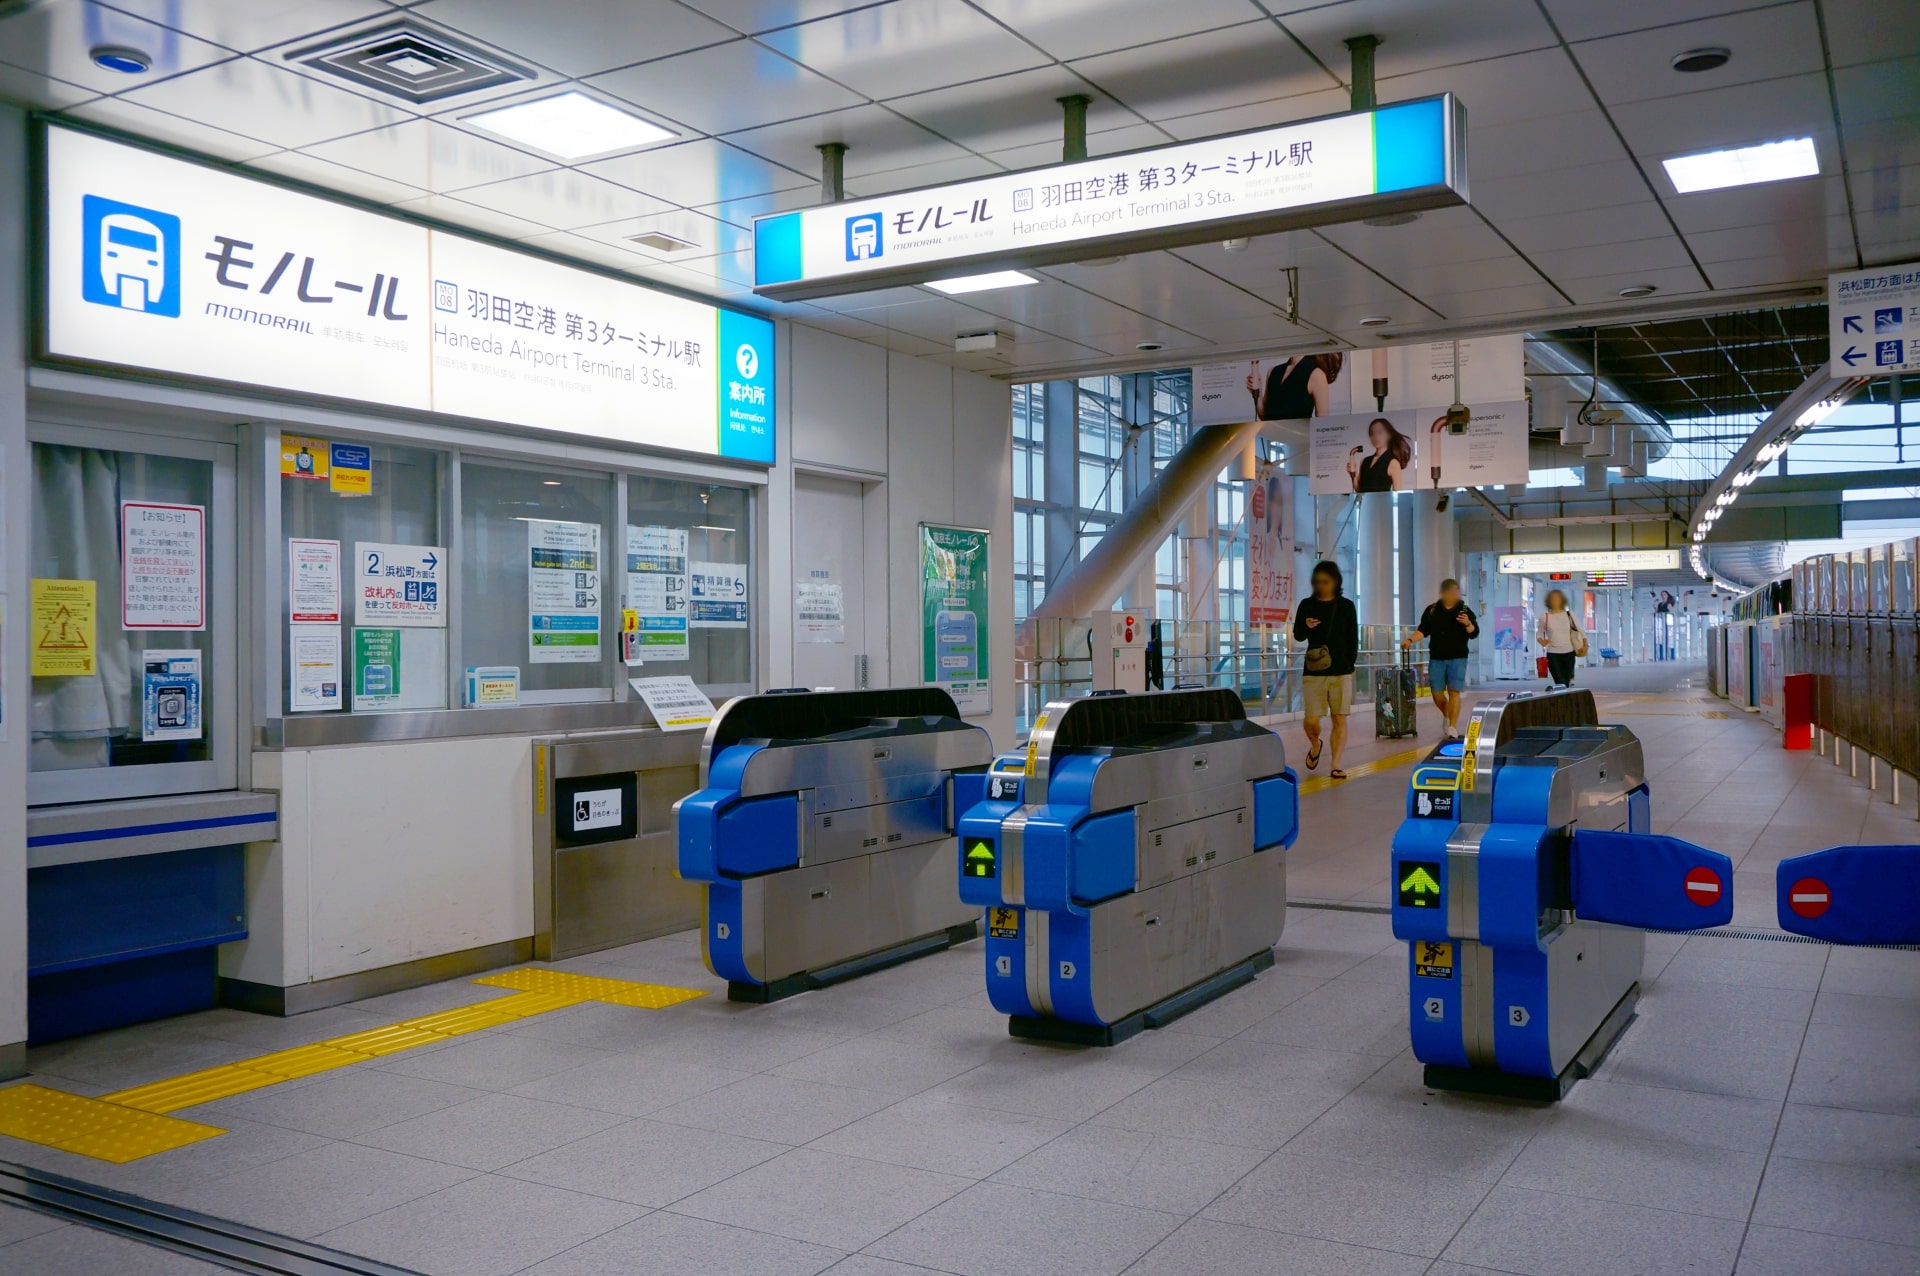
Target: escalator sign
column 979, row 860
column 1419, row 884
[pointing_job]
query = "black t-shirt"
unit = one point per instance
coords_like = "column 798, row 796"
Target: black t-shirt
column 1338, row 631
column 1446, row 638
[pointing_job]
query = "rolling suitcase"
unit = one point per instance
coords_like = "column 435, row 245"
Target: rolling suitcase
column 1396, row 691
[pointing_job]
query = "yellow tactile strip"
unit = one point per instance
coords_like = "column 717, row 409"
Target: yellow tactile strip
column 129, row 1124
column 1315, row 783
column 92, row 1127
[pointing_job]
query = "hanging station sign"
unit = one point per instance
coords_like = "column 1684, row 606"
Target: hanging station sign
column 1599, row 560
column 1400, row 158
column 169, row 266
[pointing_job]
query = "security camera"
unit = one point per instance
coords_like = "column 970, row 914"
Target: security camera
column 1440, row 506
column 1459, row 415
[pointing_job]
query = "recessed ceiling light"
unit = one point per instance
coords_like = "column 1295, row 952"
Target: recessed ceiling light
column 1701, row 59
column 1150, row 346
column 116, row 57
column 1101, row 261
column 1638, row 290
column 1376, row 321
column 570, row 125
column 981, row 283
column 661, row 242
column 1743, row 165
column 549, row 482
column 1390, row 219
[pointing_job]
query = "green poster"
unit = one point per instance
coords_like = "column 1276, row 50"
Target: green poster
column 954, row 615
column 376, row 668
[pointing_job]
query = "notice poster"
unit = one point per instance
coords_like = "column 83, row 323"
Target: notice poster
column 719, row 595
column 170, row 695
column 955, row 607
column 313, row 668
column 819, row 608
column 63, row 630
column 1270, row 552
column 493, row 686
column 313, row 581
column 657, row 595
column 563, row 592
column 1509, row 642
column 163, row 566
column 303, row 458
column 376, row 668
column 399, row 585
column 676, row 703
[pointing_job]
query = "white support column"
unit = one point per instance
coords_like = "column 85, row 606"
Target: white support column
column 15, row 466
column 1200, row 568
column 1374, row 560
column 1436, row 545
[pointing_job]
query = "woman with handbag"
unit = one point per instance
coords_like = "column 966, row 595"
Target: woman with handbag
column 1560, row 634
column 1327, row 623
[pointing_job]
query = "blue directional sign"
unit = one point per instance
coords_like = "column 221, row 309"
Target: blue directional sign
column 1888, row 299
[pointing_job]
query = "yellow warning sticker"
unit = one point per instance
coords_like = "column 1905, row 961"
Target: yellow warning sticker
column 1432, row 960
column 1003, row 923
column 1033, row 742
column 63, row 629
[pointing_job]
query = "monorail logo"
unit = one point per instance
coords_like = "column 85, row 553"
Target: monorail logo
column 130, row 257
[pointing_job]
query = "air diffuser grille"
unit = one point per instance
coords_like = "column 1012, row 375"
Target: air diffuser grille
column 405, row 60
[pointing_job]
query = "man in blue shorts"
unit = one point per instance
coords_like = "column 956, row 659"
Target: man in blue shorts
column 1448, row 626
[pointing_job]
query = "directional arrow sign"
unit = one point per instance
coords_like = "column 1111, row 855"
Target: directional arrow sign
column 1851, row 324
column 1851, row 356
column 1420, row 888
column 432, row 560
column 979, row 860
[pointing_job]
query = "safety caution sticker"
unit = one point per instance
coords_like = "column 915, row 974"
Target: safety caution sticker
column 1432, row 960
column 1470, row 755
column 1003, row 923
column 1033, row 742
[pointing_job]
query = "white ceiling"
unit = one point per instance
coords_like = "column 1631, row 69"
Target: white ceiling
column 1571, row 105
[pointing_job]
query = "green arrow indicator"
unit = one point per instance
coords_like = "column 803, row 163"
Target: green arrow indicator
column 1420, row 888
column 979, row 860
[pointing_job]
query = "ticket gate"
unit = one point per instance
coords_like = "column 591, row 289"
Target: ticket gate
column 1131, row 861
column 1852, row 894
column 1524, row 876
column 823, row 830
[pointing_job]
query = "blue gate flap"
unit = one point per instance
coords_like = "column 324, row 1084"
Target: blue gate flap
column 1852, row 894
column 1650, row 881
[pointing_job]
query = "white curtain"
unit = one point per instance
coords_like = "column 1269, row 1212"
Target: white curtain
column 77, row 537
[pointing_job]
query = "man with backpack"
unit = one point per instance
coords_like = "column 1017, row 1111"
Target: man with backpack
column 1448, row 626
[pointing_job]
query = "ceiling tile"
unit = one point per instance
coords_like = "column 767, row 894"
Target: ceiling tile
column 1563, row 190
column 1859, row 31
column 1587, row 226
column 277, row 105
column 698, row 173
column 1884, row 143
column 741, row 212
column 687, row 87
column 1080, row 28
column 34, row 88
column 708, row 235
column 1756, row 205
column 1604, row 288
column 1500, row 90
column 906, row 179
column 429, row 155
column 1766, row 45
column 53, row 39
column 1520, row 299
column 590, row 37
column 1175, row 290
column 1043, row 352
column 565, row 243
column 1661, row 252
column 1115, row 141
column 1589, row 19
column 1013, row 110
column 563, row 199
column 1887, row 196
column 1539, row 144
column 877, row 139
column 1802, row 241
column 1753, row 272
column 731, row 271
column 159, row 126
column 904, row 46
column 1443, row 279
column 445, row 208
column 1257, row 115
column 335, row 177
column 1212, row 71
column 1417, row 35
column 751, row 16
column 256, row 24
column 1450, row 235
column 1738, row 115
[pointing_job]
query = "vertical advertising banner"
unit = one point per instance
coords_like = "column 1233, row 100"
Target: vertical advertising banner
column 1270, row 552
column 955, row 610
column 1509, row 642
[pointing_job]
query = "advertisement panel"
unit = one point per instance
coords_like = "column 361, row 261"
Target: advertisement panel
column 955, row 614
column 1270, row 552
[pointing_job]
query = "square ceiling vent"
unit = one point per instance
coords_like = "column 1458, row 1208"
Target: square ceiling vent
column 408, row 61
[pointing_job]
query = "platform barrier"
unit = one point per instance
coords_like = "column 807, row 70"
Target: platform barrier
column 1523, row 873
column 1131, row 861
column 823, row 832
column 1852, row 894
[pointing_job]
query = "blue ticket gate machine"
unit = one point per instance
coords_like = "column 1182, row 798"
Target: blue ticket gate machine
column 1852, row 894
column 823, row 829
column 1131, row 861
column 1524, row 875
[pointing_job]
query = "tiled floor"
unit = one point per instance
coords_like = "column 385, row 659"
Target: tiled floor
column 1762, row 1116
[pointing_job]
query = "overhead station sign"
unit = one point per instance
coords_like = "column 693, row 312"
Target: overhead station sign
column 1873, row 321
column 1399, row 158
column 1599, row 560
column 168, row 266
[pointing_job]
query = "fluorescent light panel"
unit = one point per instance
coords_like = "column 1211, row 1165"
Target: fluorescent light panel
column 981, row 283
column 570, row 125
column 1743, row 165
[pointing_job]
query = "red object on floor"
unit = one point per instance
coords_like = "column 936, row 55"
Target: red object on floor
column 1799, row 711
column 1540, row 666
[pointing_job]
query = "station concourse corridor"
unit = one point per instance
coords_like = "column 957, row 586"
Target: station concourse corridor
column 1761, row 1116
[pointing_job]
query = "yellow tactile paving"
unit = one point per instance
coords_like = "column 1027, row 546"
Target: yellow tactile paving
column 389, row 1040
column 304, row 1061
column 93, row 1127
column 1314, row 783
column 194, row 1088
column 457, row 1023
column 619, row 992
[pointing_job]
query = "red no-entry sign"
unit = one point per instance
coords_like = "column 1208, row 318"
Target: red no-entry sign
column 1809, row 897
column 1703, row 886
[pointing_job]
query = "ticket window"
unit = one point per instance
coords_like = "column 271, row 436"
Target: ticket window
column 130, row 616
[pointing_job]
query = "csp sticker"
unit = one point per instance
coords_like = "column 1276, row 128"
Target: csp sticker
column 1432, row 960
column 1003, row 923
